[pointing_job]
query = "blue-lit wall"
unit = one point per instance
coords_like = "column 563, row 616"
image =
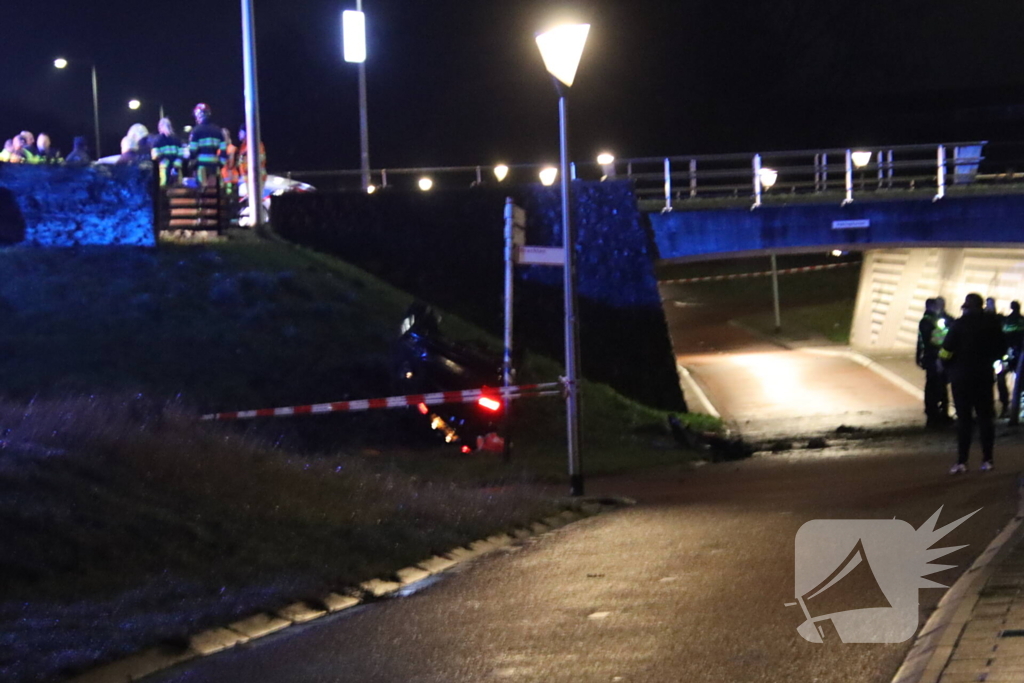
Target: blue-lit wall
column 952, row 221
column 59, row 206
column 446, row 247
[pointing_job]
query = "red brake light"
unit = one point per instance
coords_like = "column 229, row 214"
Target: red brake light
column 423, row 408
column 466, row 449
column 489, row 403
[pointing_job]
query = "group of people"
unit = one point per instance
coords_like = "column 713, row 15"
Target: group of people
column 26, row 148
column 209, row 152
column 969, row 354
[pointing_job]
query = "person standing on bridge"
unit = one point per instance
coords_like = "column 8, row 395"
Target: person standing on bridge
column 931, row 332
column 167, row 153
column 975, row 341
column 1013, row 330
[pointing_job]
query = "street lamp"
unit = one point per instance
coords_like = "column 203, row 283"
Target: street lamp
column 134, row 104
column 426, row 184
column 353, row 29
column 61, row 63
column 561, row 49
column 501, row 172
column 768, row 177
column 861, row 159
column 548, row 175
column 606, row 161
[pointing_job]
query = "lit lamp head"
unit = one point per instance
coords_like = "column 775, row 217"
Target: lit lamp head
column 353, row 34
column 370, row 189
column 768, row 177
column 134, row 104
column 607, row 162
column 60, row 63
column 501, row 172
column 426, row 184
column 561, row 48
column 861, row 159
column 548, row 175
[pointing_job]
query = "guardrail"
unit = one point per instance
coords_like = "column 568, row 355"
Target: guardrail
column 677, row 179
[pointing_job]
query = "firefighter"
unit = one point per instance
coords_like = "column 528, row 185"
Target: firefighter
column 167, row 154
column 243, row 158
column 207, row 147
column 975, row 341
column 931, row 332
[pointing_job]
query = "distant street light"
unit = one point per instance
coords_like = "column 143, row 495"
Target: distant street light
column 353, row 29
column 548, row 176
column 426, row 184
column 134, row 104
column 768, row 177
column 607, row 162
column 861, row 159
column 370, row 189
column 61, row 63
column 561, row 49
column 501, row 172
column 605, row 159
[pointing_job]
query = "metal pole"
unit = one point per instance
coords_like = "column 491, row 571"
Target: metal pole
column 941, row 172
column 96, row 109
column 364, row 129
column 849, row 178
column 775, row 294
column 824, row 172
column 668, row 185
column 161, row 111
column 757, row 181
column 254, row 182
column 693, row 177
column 817, row 173
column 571, row 327
column 507, row 378
column 881, row 168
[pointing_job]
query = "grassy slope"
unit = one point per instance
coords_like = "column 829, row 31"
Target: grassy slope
column 126, row 520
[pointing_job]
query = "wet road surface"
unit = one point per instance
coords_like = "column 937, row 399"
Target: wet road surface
column 689, row 585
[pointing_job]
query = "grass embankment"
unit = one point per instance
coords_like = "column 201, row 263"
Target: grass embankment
column 816, row 306
column 125, row 522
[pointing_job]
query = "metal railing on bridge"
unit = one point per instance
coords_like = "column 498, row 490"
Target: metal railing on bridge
column 670, row 182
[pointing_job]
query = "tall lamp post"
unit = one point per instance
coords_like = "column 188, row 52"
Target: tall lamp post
column 254, row 183
column 353, row 27
column 561, row 48
column 62, row 63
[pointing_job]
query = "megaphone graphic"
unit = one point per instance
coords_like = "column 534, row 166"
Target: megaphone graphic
column 851, row 586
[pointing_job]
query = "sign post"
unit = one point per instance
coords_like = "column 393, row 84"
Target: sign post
column 515, row 238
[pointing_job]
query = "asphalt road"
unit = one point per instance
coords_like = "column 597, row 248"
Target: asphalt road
column 689, row 585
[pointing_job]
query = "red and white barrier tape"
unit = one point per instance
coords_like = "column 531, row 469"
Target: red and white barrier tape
column 765, row 273
column 438, row 398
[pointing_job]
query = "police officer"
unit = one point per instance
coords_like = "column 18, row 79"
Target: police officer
column 167, row 153
column 1013, row 330
column 207, row 146
column 975, row 341
column 931, row 332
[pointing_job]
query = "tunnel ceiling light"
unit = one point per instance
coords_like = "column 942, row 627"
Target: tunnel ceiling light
column 561, row 48
column 548, row 176
column 501, row 172
column 861, row 159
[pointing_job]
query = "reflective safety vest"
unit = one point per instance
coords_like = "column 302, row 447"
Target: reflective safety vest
column 207, row 145
column 167, row 149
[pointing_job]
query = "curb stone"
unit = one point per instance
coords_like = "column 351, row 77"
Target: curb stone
column 212, row 641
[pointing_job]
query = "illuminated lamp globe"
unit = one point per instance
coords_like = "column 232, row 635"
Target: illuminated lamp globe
column 60, row 63
column 561, row 49
column 134, row 104
column 426, row 184
column 548, row 176
column 501, row 172
column 861, row 159
column 768, row 177
column 370, row 189
column 606, row 159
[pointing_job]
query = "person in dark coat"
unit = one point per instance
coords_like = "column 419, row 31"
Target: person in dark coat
column 1013, row 329
column 975, row 341
column 931, row 332
column 80, row 154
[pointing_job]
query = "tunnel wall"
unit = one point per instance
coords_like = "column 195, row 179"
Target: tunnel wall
column 895, row 283
column 63, row 206
column 447, row 246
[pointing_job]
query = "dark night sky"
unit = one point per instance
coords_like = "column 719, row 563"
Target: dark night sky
column 461, row 81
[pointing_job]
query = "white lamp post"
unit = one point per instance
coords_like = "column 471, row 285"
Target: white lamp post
column 353, row 27
column 254, row 183
column 561, row 48
column 61, row 63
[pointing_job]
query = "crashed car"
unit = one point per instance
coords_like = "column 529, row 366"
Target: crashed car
column 426, row 362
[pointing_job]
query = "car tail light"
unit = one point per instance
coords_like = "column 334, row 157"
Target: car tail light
column 490, row 404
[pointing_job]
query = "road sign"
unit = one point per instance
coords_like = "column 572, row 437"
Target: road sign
column 540, row 256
